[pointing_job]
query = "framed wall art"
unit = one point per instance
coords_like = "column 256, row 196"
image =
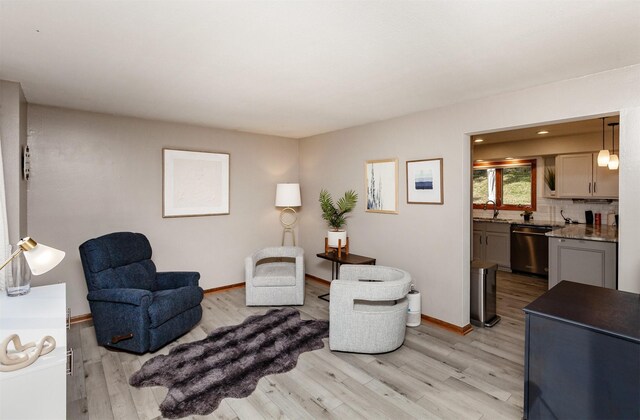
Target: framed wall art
column 382, row 185
column 424, row 181
column 194, row 183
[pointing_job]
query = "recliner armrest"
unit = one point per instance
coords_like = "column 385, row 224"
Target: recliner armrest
column 137, row 297
column 175, row 279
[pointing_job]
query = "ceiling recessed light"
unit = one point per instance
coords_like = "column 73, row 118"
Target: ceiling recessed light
column 543, row 132
column 508, row 158
column 479, row 160
column 478, row 140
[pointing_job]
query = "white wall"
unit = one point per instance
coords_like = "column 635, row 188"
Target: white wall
column 94, row 174
column 628, row 244
column 13, row 133
column 433, row 242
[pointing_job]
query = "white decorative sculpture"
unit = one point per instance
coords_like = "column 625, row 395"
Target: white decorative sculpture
column 24, row 355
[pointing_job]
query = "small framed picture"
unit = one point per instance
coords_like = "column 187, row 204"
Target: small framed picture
column 424, row 181
column 382, row 185
column 194, row 183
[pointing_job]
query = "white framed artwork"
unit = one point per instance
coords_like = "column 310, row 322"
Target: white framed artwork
column 424, row 181
column 381, row 184
column 194, row 183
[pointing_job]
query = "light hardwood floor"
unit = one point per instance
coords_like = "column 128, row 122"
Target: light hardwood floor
column 435, row 374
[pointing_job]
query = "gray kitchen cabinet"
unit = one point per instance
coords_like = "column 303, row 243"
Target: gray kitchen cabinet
column 579, row 176
column 583, row 261
column 574, row 175
column 492, row 243
column 478, row 243
column 605, row 181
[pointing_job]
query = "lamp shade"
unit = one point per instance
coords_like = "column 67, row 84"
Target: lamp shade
column 41, row 258
column 288, row 195
column 614, row 162
column 603, row 157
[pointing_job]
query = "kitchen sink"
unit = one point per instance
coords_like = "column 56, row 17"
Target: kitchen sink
column 490, row 219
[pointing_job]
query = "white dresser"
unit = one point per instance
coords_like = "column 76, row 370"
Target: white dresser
column 38, row 391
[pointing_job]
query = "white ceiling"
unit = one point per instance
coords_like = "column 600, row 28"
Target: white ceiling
column 298, row 68
column 573, row 128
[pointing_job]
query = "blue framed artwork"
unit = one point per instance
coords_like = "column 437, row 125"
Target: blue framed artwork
column 424, row 181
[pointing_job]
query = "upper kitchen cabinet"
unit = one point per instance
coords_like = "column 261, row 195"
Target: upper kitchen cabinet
column 605, row 180
column 579, row 176
column 574, row 175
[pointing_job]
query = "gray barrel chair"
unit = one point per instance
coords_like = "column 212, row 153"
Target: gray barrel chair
column 275, row 276
column 368, row 309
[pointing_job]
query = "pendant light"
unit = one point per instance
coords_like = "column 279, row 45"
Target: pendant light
column 613, row 158
column 603, row 156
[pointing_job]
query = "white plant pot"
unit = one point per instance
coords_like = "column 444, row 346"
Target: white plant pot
column 334, row 236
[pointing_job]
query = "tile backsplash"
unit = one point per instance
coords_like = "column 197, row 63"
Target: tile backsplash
column 548, row 209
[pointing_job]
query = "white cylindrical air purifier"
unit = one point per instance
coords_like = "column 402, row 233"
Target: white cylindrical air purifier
column 413, row 312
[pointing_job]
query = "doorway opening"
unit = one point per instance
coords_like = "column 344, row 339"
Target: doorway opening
column 526, row 183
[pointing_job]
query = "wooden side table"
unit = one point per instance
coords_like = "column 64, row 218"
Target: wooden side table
column 338, row 259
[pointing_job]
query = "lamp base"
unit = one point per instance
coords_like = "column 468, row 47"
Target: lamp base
column 293, row 236
column 18, row 283
column 288, row 218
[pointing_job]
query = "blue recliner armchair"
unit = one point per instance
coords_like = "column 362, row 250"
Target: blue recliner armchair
column 135, row 308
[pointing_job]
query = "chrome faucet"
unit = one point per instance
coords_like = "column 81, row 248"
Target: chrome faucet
column 495, row 208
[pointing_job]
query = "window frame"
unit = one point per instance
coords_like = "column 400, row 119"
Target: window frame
column 501, row 164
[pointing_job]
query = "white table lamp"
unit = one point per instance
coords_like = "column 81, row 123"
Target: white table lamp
column 288, row 196
column 40, row 259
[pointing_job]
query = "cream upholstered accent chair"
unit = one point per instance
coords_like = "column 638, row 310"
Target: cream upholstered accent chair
column 275, row 276
column 368, row 309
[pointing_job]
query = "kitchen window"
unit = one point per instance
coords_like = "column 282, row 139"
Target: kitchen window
column 510, row 183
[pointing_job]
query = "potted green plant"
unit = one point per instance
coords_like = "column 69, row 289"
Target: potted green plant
column 550, row 179
column 336, row 214
column 527, row 213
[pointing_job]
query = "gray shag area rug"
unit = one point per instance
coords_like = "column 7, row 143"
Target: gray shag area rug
column 230, row 361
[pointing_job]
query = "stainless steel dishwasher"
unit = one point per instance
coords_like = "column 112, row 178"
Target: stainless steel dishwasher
column 530, row 249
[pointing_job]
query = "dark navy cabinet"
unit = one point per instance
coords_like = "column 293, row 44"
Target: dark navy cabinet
column 582, row 354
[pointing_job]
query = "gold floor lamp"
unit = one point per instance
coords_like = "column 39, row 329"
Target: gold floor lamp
column 288, row 196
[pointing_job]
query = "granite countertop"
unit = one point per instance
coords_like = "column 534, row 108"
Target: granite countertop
column 520, row 221
column 603, row 233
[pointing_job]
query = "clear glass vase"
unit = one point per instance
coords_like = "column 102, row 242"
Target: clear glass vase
column 19, row 282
